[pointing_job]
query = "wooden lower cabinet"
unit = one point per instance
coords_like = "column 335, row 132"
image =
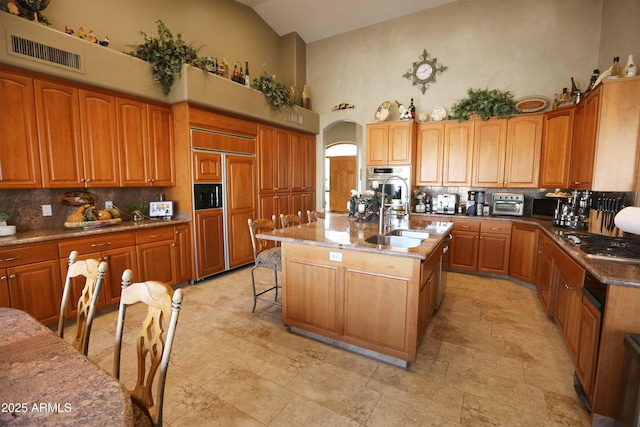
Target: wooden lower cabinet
column 524, row 250
column 118, row 250
column 155, row 255
column 428, row 297
column 464, row 245
column 545, row 265
column 588, row 347
column 568, row 299
column 370, row 302
column 30, row 279
column 493, row 249
column 210, row 240
column 182, row 252
column 480, row 246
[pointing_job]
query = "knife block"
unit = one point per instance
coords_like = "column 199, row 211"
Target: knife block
column 597, row 224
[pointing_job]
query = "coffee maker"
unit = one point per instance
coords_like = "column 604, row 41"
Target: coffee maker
column 475, row 203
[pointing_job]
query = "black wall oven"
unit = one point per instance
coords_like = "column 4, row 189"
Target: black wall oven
column 207, row 196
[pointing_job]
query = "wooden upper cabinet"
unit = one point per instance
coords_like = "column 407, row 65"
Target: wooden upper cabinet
column 391, row 143
column 458, row 153
column 99, row 139
column 207, row 167
column 133, row 136
column 489, row 153
column 616, row 131
column 60, row 137
column 507, row 152
column 19, row 160
column 274, row 147
column 429, row 154
column 161, row 146
column 146, row 143
column 524, row 142
column 556, row 148
column 303, row 157
column 584, row 141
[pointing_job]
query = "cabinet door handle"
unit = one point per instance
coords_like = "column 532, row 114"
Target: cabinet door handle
column 567, row 286
column 94, row 245
column 3, row 277
column 12, row 276
column 13, row 258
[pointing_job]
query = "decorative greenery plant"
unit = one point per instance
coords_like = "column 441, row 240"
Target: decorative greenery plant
column 166, row 55
column 486, row 104
column 278, row 95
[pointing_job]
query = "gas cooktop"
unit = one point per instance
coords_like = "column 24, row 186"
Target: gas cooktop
column 605, row 247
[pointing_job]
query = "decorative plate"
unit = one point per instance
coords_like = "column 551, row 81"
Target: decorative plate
column 532, row 104
column 438, row 114
column 383, row 111
column 93, row 224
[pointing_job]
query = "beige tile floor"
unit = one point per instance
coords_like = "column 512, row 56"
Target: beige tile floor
column 490, row 358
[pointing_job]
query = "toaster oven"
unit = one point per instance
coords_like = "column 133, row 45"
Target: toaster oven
column 508, row 204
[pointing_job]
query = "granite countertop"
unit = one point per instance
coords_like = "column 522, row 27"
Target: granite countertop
column 339, row 231
column 46, row 382
column 42, row 235
column 610, row 272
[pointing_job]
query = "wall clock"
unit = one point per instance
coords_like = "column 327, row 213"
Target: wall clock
column 424, row 71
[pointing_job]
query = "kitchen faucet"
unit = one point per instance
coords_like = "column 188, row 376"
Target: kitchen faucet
column 381, row 223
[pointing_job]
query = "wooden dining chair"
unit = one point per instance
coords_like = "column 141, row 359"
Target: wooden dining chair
column 93, row 272
column 264, row 256
column 289, row 220
column 153, row 344
column 314, row 215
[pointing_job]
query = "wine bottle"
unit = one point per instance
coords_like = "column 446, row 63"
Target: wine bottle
column 592, row 83
column 615, row 68
column 240, row 77
column 247, row 79
column 234, row 76
column 412, row 109
column 575, row 92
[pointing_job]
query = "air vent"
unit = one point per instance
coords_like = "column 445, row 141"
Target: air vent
column 39, row 52
column 293, row 117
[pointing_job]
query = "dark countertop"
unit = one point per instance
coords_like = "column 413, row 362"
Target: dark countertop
column 43, row 235
column 610, row 272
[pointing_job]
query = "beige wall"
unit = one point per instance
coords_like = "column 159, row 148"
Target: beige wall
column 220, row 28
column 620, row 32
column 528, row 47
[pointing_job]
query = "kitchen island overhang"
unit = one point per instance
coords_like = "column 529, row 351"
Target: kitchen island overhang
column 374, row 299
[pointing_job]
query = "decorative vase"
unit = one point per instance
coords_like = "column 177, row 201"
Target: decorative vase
column 630, row 68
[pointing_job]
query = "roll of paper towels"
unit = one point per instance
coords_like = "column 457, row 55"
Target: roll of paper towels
column 628, row 220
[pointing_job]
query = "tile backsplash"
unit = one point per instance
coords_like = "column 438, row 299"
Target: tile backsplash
column 24, row 207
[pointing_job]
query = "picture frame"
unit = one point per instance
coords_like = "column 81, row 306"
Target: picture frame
column 161, row 209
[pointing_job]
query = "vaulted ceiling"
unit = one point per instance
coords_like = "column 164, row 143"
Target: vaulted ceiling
column 318, row 19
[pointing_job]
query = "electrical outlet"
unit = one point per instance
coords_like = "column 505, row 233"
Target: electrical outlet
column 108, row 204
column 46, row 210
column 335, row 256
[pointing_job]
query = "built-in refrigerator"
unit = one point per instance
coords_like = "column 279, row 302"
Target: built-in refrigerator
column 224, row 200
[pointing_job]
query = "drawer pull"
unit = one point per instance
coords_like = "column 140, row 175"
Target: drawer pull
column 155, row 236
column 100, row 244
column 13, row 258
column 465, row 226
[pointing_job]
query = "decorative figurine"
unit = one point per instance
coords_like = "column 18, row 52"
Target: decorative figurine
column 105, row 41
column 81, row 33
column 92, row 37
column 68, row 30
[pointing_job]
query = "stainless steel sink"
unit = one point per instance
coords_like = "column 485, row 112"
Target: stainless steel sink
column 397, row 241
column 416, row 234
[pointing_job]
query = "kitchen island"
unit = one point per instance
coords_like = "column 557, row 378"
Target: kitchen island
column 376, row 299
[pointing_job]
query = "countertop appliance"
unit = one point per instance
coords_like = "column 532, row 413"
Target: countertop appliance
column 545, row 207
column 446, row 203
column 508, row 204
column 475, row 203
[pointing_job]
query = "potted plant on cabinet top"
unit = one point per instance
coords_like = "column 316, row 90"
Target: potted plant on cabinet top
column 485, row 104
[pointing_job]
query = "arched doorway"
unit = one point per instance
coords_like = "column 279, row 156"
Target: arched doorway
column 342, row 145
column 340, row 175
